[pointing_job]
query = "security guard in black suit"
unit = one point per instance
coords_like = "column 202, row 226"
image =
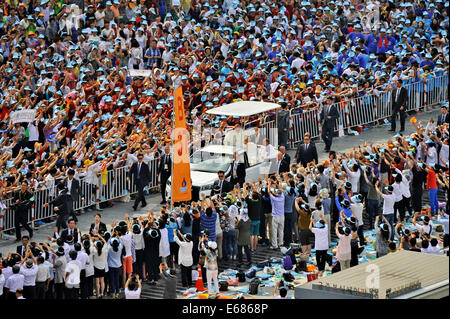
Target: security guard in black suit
column 23, row 200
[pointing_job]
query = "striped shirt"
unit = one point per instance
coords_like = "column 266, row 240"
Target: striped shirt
column 209, row 223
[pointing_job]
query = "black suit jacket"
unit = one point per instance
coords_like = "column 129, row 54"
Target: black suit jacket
column 333, row 112
column 226, row 187
column 441, row 121
column 65, row 233
column 101, row 228
column 304, row 156
column 64, row 203
column 19, row 250
column 240, row 172
column 144, row 174
column 75, row 190
column 165, row 173
column 285, row 163
column 401, row 101
column 25, row 202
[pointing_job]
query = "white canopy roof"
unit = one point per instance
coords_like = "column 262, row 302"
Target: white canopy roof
column 221, row 149
column 243, row 108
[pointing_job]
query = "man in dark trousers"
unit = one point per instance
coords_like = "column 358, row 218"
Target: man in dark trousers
column 23, row 200
column 141, row 177
column 237, row 171
column 443, row 117
column 62, row 206
column 165, row 171
column 285, row 161
column 283, row 125
column 306, row 152
column 73, row 188
column 222, row 185
column 399, row 100
column 328, row 117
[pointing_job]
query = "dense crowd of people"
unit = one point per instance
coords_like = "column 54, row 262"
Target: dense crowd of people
column 78, row 64
column 304, row 205
column 73, row 61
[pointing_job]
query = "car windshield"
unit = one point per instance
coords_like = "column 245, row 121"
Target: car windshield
column 210, row 162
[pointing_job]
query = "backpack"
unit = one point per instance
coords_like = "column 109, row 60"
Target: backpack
column 223, row 286
column 301, row 266
column 251, row 274
column 287, row 263
column 253, row 287
column 336, row 267
column 288, row 277
column 241, row 276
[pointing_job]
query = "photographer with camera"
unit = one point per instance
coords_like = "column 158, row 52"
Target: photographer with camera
column 133, row 287
column 212, row 268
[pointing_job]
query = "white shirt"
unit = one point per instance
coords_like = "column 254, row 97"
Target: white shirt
column 101, row 18
column 358, row 210
column 397, row 192
column 90, row 266
column 50, row 184
column 321, row 238
column 434, row 250
column 34, row 133
column 83, row 258
column 132, row 294
column 73, row 268
column 353, row 177
column 29, row 275
column 43, row 273
column 432, row 156
column 444, row 221
column 69, row 184
column 185, row 252
column 126, row 241
column 7, row 272
column 444, row 154
column 164, row 246
column 388, row 204
column 426, row 228
column 138, row 241
column 2, row 283
column 100, row 261
column 14, row 282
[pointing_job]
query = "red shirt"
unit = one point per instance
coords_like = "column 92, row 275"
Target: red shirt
column 431, row 179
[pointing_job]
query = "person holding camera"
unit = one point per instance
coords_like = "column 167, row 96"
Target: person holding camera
column 212, row 268
column 133, row 287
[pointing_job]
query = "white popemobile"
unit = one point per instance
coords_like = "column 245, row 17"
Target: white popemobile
column 259, row 159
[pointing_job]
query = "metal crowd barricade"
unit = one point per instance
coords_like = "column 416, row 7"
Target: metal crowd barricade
column 116, row 186
column 371, row 108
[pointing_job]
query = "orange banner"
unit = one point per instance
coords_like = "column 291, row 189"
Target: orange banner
column 181, row 175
